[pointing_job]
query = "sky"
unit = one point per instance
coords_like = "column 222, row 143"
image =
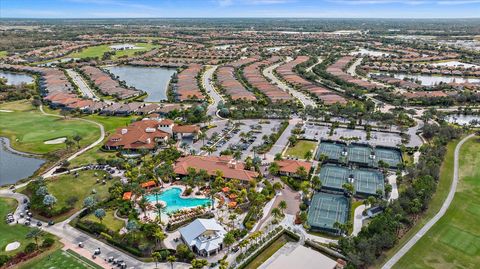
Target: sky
column 239, row 8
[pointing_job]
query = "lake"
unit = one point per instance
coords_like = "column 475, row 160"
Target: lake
column 462, row 119
column 14, row 78
column 153, row 80
column 427, row 80
column 15, row 166
column 455, row 64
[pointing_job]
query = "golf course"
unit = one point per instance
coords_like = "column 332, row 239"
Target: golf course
column 454, row 241
column 31, row 131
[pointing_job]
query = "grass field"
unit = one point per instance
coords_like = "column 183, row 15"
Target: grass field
column 110, row 221
column 302, row 147
column 446, row 174
column 79, row 187
column 61, row 259
column 3, row 53
column 28, row 129
column 454, row 241
column 98, row 51
column 267, row 253
column 10, row 234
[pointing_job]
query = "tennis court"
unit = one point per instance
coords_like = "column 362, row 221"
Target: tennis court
column 326, row 209
column 333, row 176
column 367, row 182
column 359, row 154
column 391, row 156
column 331, row 149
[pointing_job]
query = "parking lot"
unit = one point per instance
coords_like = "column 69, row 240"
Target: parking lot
column 317, row 132
column 244, row 137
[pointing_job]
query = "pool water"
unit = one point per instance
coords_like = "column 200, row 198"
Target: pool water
column 174, row 202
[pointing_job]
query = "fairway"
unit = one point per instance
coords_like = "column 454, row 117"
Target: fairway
column 28, row 129
column 98, row 51
column 62, row 259
column 302, row 147
column 454, row 241
column 13, row 233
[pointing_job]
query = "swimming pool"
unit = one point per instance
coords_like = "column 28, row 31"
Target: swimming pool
column 174, row 202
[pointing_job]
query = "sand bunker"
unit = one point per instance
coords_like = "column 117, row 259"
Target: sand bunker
column 55, row 141
column 12, row 246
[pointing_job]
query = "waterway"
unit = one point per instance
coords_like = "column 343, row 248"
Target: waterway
column 429, row 80
column 463, row 119
column 15, row 78
column 153, row 80
column 15, row 165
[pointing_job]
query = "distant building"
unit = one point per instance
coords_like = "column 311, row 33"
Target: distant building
column 204, row 236
column 122, row 47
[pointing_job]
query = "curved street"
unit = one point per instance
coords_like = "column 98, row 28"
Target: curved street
column 207, row 80
column 446, row 204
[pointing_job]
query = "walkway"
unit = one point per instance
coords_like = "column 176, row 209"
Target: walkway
column 390, row 263
column 282, row 141
column 303, row 98
column 358, row 219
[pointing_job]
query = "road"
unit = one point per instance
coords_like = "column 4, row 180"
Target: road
column 49, row 173
column 446, row 204
column 303, row 98
column 207, row 81
column 82, row 85
column 282, row 141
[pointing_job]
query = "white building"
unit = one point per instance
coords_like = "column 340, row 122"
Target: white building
column 122, row 47
column 204, row 236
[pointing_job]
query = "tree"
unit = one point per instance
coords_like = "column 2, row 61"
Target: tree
column 198, row 263
column 282, row 205
column 68, row 143
column 35, row 234
column 143, row 203
column 100, row 214
column 171, row 259
column 202, row 136
column 229, row 239
column 316, row 183
column 348, row 187
column 157, row 257
column 64, row 113
column 223, row 264
column 49, row 200
column 77, row 139
column 308, row 155
column 42, row 191
column 89, row 202
column 276, row 213
column 274, row 168
column 301, row 172
column 159, row 236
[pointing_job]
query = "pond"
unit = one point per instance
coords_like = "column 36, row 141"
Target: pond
column 427, row 80
column 153, row 80
column 462, row 119
column 174, row 202
column 15, row 165
column 15, row 78
column 455, row 64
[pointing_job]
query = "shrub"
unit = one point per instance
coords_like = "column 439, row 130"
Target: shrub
column 4, row 259
column 31, row 247
column 48, row 242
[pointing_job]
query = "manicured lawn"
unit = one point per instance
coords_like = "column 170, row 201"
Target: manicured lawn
column 267, row 253
column 10, row 234
column 302, row 147
column 28, row 129
column 3, row 53
column 110, row 221
column 111, row 123
column 454, row 241
column 61, row 259
column 65, row 187
column 98, row 51
column 446, row 174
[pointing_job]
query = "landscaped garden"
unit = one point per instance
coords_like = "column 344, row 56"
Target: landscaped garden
column 454, row 241
column 28, row 129
column 65, row 203
column 109, row 220
column 300, row 149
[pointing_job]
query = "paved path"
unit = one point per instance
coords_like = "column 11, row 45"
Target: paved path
column 303, row 98
column 49, row 173
column 390, row 263
column 358, row 219
column 207, row 81
column 282, row 141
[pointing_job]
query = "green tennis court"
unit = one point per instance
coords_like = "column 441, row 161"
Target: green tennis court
column 367, row 182
column 391, row 156
column 326, row 209
column 331, row 149
column 359, row 154
column 333, row 176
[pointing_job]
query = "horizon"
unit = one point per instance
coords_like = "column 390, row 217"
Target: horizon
column 236, row 9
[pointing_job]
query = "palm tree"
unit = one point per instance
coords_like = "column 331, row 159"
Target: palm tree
column 159, row 236
column 171, row 259
column 35, row 234
column 77, row 139
column 282, row 205
column 276, row 213
column 202, row 136
column 223, row 264
column 228, row 240
column 232, row 218
column 160, row 208
column 210, row 150
column 143, row 203
column 156, row 257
